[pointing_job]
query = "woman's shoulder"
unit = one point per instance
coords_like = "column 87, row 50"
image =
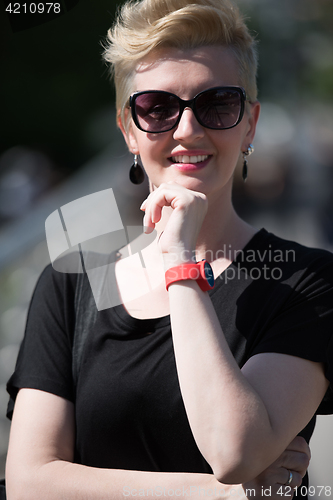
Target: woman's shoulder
column 45, row 357
column 275, row 249
column 290, row 309
column 54, row 286
column 51, row 274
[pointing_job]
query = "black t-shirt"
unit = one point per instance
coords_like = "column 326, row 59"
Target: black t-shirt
column 276, row 296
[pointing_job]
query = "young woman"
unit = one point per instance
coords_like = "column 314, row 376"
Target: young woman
column 187, row 388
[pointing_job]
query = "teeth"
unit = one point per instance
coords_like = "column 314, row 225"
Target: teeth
column 189, row 159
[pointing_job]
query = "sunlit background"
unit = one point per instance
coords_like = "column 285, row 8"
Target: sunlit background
column 59, row 142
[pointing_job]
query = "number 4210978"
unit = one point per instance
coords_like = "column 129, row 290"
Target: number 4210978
column 325, row 491
column 34, row 8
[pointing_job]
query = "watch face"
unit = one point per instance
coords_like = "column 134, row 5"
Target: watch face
column 209, row 274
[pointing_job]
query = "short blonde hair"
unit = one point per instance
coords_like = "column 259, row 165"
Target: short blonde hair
column 146, row 25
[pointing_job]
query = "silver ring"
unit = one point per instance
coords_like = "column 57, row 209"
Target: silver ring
column 289, row 479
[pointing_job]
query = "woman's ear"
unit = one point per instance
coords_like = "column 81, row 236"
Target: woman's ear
column 253, row 113
column 128, row 134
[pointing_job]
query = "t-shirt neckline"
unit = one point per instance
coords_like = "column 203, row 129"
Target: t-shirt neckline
column 162, row 321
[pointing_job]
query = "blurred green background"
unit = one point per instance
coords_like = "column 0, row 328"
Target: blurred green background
column 59, row 142
column 54, row 83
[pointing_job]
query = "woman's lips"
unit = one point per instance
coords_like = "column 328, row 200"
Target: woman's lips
column 193, row 162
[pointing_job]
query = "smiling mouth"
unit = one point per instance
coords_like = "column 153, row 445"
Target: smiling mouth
column 189, row 159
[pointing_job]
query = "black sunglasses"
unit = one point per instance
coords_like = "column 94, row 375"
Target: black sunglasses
column 157, row 111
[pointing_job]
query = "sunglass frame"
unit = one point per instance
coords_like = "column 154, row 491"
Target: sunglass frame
column 190, row 103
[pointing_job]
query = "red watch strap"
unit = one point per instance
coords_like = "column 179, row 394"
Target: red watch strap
column 191, row 271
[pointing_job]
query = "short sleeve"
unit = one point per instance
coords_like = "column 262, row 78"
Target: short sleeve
column 303, row 326
column 45, row 357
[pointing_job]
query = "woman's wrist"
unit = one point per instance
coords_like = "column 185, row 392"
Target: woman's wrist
column 177, row 256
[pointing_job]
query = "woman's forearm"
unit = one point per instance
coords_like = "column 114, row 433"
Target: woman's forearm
column 58, row 480
column 41, row 454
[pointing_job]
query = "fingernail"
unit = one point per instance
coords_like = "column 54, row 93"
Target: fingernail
column 142, row 207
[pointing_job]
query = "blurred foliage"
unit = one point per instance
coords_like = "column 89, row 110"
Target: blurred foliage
column 295, row 48
column 54, row 81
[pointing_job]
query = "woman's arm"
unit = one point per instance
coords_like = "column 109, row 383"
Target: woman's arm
column 39, row 463
column 40, row 455
column 241, row 420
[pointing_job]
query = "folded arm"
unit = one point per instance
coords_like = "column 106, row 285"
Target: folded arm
column 41, row 451
column 242, row 420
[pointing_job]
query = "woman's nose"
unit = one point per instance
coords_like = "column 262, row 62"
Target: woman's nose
column 188, row 129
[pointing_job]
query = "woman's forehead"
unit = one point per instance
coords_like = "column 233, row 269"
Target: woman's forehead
column 212, row 65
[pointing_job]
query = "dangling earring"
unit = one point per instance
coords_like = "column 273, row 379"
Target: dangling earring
column 136, row 174
column 249, row 151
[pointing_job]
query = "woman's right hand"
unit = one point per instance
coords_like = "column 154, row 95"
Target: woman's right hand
column 189, row 209
column 296, row 459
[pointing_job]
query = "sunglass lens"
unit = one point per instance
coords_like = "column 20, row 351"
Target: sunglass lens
column 156, row 111
column 219, row 109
